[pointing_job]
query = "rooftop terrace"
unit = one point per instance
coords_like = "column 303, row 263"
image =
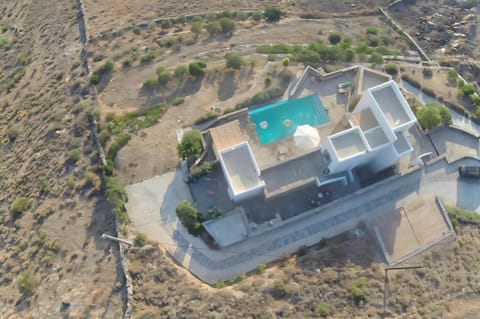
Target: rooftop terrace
column 391, row 106
column 348, row 143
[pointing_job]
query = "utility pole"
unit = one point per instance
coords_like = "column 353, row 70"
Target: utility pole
column 385, row 288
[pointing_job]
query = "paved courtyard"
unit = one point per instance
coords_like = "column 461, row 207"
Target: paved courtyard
column 151, row 208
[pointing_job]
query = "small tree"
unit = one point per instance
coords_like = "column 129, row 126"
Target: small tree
column 180, row 71
column 196, row 28
column 273, row 14
column 191, row 145
column 391, row 69
column 334, row 37
column 445, row 115
column 234, row 60
column 19, row 205
column 376, row 58
column 429, row 116
column 227, row 24
column 213, row 28
column 27, row 282
column 189, row 217
column 257, row 16
column 163, row 75
column 197, row 68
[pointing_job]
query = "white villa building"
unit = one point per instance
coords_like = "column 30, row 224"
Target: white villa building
column 377, row 135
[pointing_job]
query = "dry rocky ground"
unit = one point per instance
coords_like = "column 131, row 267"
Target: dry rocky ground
column 52, row 213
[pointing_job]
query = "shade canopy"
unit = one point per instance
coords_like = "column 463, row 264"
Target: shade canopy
column 306, row 137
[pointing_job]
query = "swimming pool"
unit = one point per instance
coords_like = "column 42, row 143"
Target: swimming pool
column 276, row 121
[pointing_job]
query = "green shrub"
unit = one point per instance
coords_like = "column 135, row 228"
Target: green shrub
column 286, row 61
column 376, row 58
column 227, row 24
column 356, row 291
column 44, row 186
column 391, row 69
column 191, row 144
column 73, row 156
column 373, row 42
column 27, row 282
column 181, row 19
column 180, row 71
column 271, row 57
column 137, row 31
column 119, row 142
column 196, row 28
column 261, row 268
column 220, row 284
column 148, row 57
column 178, row 101
column 189, row 217
column 466, row 90
column 95, row 78
column 213, row 28
column 104, row 137
column 257, row 16
column 20, row 205
column 323, row 309
column 163, row 75
column 140, row 240
column 3, row 41
column 210, row 115
column 279, row 290
column 334, row 37
column 166, row 23
column 150, row 83
column 372, row 30
column 273, row 14
column 445, row 115
column 349, row 55
column 116, row 195
column 452, row 75
column 463, row 216
column 429, row 117
column 108, row 66
column 197, row 68
column 234, row 60
column 475, row 99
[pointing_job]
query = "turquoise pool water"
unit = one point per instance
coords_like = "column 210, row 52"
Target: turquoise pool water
column 276, row 121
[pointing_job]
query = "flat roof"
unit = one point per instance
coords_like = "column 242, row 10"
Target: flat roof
column 348, row 142
column 226, row 136
column 390, row 104
column 371, row 78
column 241, row 168
column 229, row 228
column 375, row 137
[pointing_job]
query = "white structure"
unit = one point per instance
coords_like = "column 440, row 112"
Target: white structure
column 241, row 172
column 377, row 133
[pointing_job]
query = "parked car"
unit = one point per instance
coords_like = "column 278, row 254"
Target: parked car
column 469, row 171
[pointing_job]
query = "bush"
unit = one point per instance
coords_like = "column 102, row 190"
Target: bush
column 279, row 289
column 376, row 58
column 163, row 75
column 166, row 23
column 391, row 69
column 271, row 57
column 323, row 309
column 119, row 142
column 210, row 115
column 261, row 268
column 196, row 28
column 452, row 75
column 273, row 14
column 475, row 99
column 429, row 116
column 189, row 217
column 3, row 41
column 137, row 31
column 373, row 42
column 213, row 28
column 334, row 37
column 466, row 90
column 234, row 60
column 181, row 20
column 108, row 66
column 27, row 282
column 140, row 240
column 356, row 291
column 257, row 16
column 116, row 196
column 227, row 24
column 286, row 61
column 197, row 68
column 95, row 78
column 445, row 115
column 180, row 71
column 178, row 101
column 19, row 205
column 349, row 55
column 191, row 145
column 427, row 72
column 73, row 156
column 150, row 83
column 372, row 30
column 148, row 57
